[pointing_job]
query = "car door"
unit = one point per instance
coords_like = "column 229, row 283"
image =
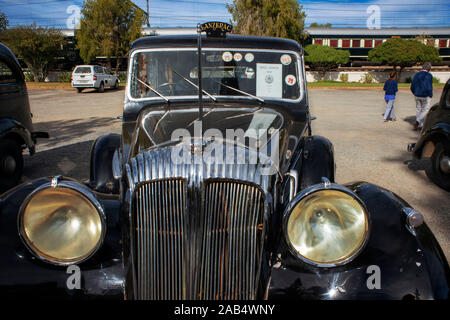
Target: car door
column 13, row 95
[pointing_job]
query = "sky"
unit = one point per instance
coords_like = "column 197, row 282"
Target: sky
column 187, row 13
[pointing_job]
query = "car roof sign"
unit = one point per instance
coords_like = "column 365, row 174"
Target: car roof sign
column 216, row 29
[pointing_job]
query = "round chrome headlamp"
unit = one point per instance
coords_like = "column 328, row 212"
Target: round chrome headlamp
column 326, row 226
column 62, row 224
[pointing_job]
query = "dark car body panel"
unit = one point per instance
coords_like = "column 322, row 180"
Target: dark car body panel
column 436, row 125
column 22, row 274
column 15, row 115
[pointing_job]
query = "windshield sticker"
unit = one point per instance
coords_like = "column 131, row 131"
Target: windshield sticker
column 249, row 73
column 249, row 57
column 227, row 56
column 286, row 59
column 269, row 81
column 237, row 57
column 290, row 80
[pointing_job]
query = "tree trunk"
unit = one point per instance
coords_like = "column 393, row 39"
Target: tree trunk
column 116, row 72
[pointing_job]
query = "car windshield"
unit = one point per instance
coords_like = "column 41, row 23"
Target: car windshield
column 226, row 72
column 83, row 70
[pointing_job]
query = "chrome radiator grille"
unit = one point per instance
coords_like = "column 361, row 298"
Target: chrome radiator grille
column 232, row 225
column 205, row 247
column 160, row 235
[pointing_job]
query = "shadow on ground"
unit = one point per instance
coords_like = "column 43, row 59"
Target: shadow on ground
column 64, row 131
column 71, row 161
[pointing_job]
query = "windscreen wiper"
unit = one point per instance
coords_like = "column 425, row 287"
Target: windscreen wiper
column 148, row 86
column 194, row 85
column 240, row 91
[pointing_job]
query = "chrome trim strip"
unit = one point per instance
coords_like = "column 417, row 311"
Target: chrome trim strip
column 301, row 74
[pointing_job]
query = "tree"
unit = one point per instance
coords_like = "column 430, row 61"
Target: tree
column 317, row 25
column 282, row 18
column 3, row 21
column 323, row 58
column 37, row 46
column 107, row 28
column 403, row 53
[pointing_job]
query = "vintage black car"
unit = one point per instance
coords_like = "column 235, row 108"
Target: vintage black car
column 216, row 189
column 16, row 128
column 434, row 141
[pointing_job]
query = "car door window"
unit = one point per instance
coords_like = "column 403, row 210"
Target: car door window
column 6, row 74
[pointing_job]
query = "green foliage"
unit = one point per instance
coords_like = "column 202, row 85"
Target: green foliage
column 436, row 80
column 317, row 25
column 323, row 58
column 343, row 77
column 37, row 46
column 366, row 78
column 28, row 76
column 107, row 28
column 403, row 53
column 64, row 76
column 282, row 18
column 3, row 21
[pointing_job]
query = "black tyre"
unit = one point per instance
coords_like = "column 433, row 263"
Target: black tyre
column 79, row 90
column 439, row 169
column 11, row 164
column 101, row 88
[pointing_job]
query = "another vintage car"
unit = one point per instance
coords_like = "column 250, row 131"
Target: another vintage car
column 93, row 76
column 216, row 189
column 16, row 127
column 434, row 141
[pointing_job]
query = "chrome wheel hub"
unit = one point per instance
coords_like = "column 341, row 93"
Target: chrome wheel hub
column 445, row 164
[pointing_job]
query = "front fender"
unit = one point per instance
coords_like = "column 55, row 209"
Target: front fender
column 23, row 275
column 10, row 127
column 439, row 131
column 411, row 266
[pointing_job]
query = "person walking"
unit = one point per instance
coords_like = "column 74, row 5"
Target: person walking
column 422, row 88
column 390, row 88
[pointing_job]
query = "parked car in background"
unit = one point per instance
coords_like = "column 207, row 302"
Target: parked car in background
column 16, row 127
column 434, row 141
column 92, row 76
column 216, row 189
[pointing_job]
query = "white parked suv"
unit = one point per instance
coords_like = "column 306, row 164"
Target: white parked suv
column 89, row 76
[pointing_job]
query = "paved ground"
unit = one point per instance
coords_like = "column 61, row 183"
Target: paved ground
column 366, row 148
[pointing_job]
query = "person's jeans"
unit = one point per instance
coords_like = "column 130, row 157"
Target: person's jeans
column 422, row 106
column 389, row 113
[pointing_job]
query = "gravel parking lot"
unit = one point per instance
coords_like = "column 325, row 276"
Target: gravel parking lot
column 366, row 148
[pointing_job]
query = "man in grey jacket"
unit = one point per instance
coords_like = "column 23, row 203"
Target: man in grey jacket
column 422, row 88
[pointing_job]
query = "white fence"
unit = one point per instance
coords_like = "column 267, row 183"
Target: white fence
column 377, row 76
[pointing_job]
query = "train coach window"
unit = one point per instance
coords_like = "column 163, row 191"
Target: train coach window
column 368, row 43
column 334, row 43
column 356, row 43
column 442, row 43
column 345, row 43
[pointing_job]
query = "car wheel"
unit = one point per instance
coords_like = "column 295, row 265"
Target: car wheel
column 439, row 169
column 11, row 164
column 79, row 90
column 101, row 88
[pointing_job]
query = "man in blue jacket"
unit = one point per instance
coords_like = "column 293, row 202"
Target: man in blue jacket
column 422, row 88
